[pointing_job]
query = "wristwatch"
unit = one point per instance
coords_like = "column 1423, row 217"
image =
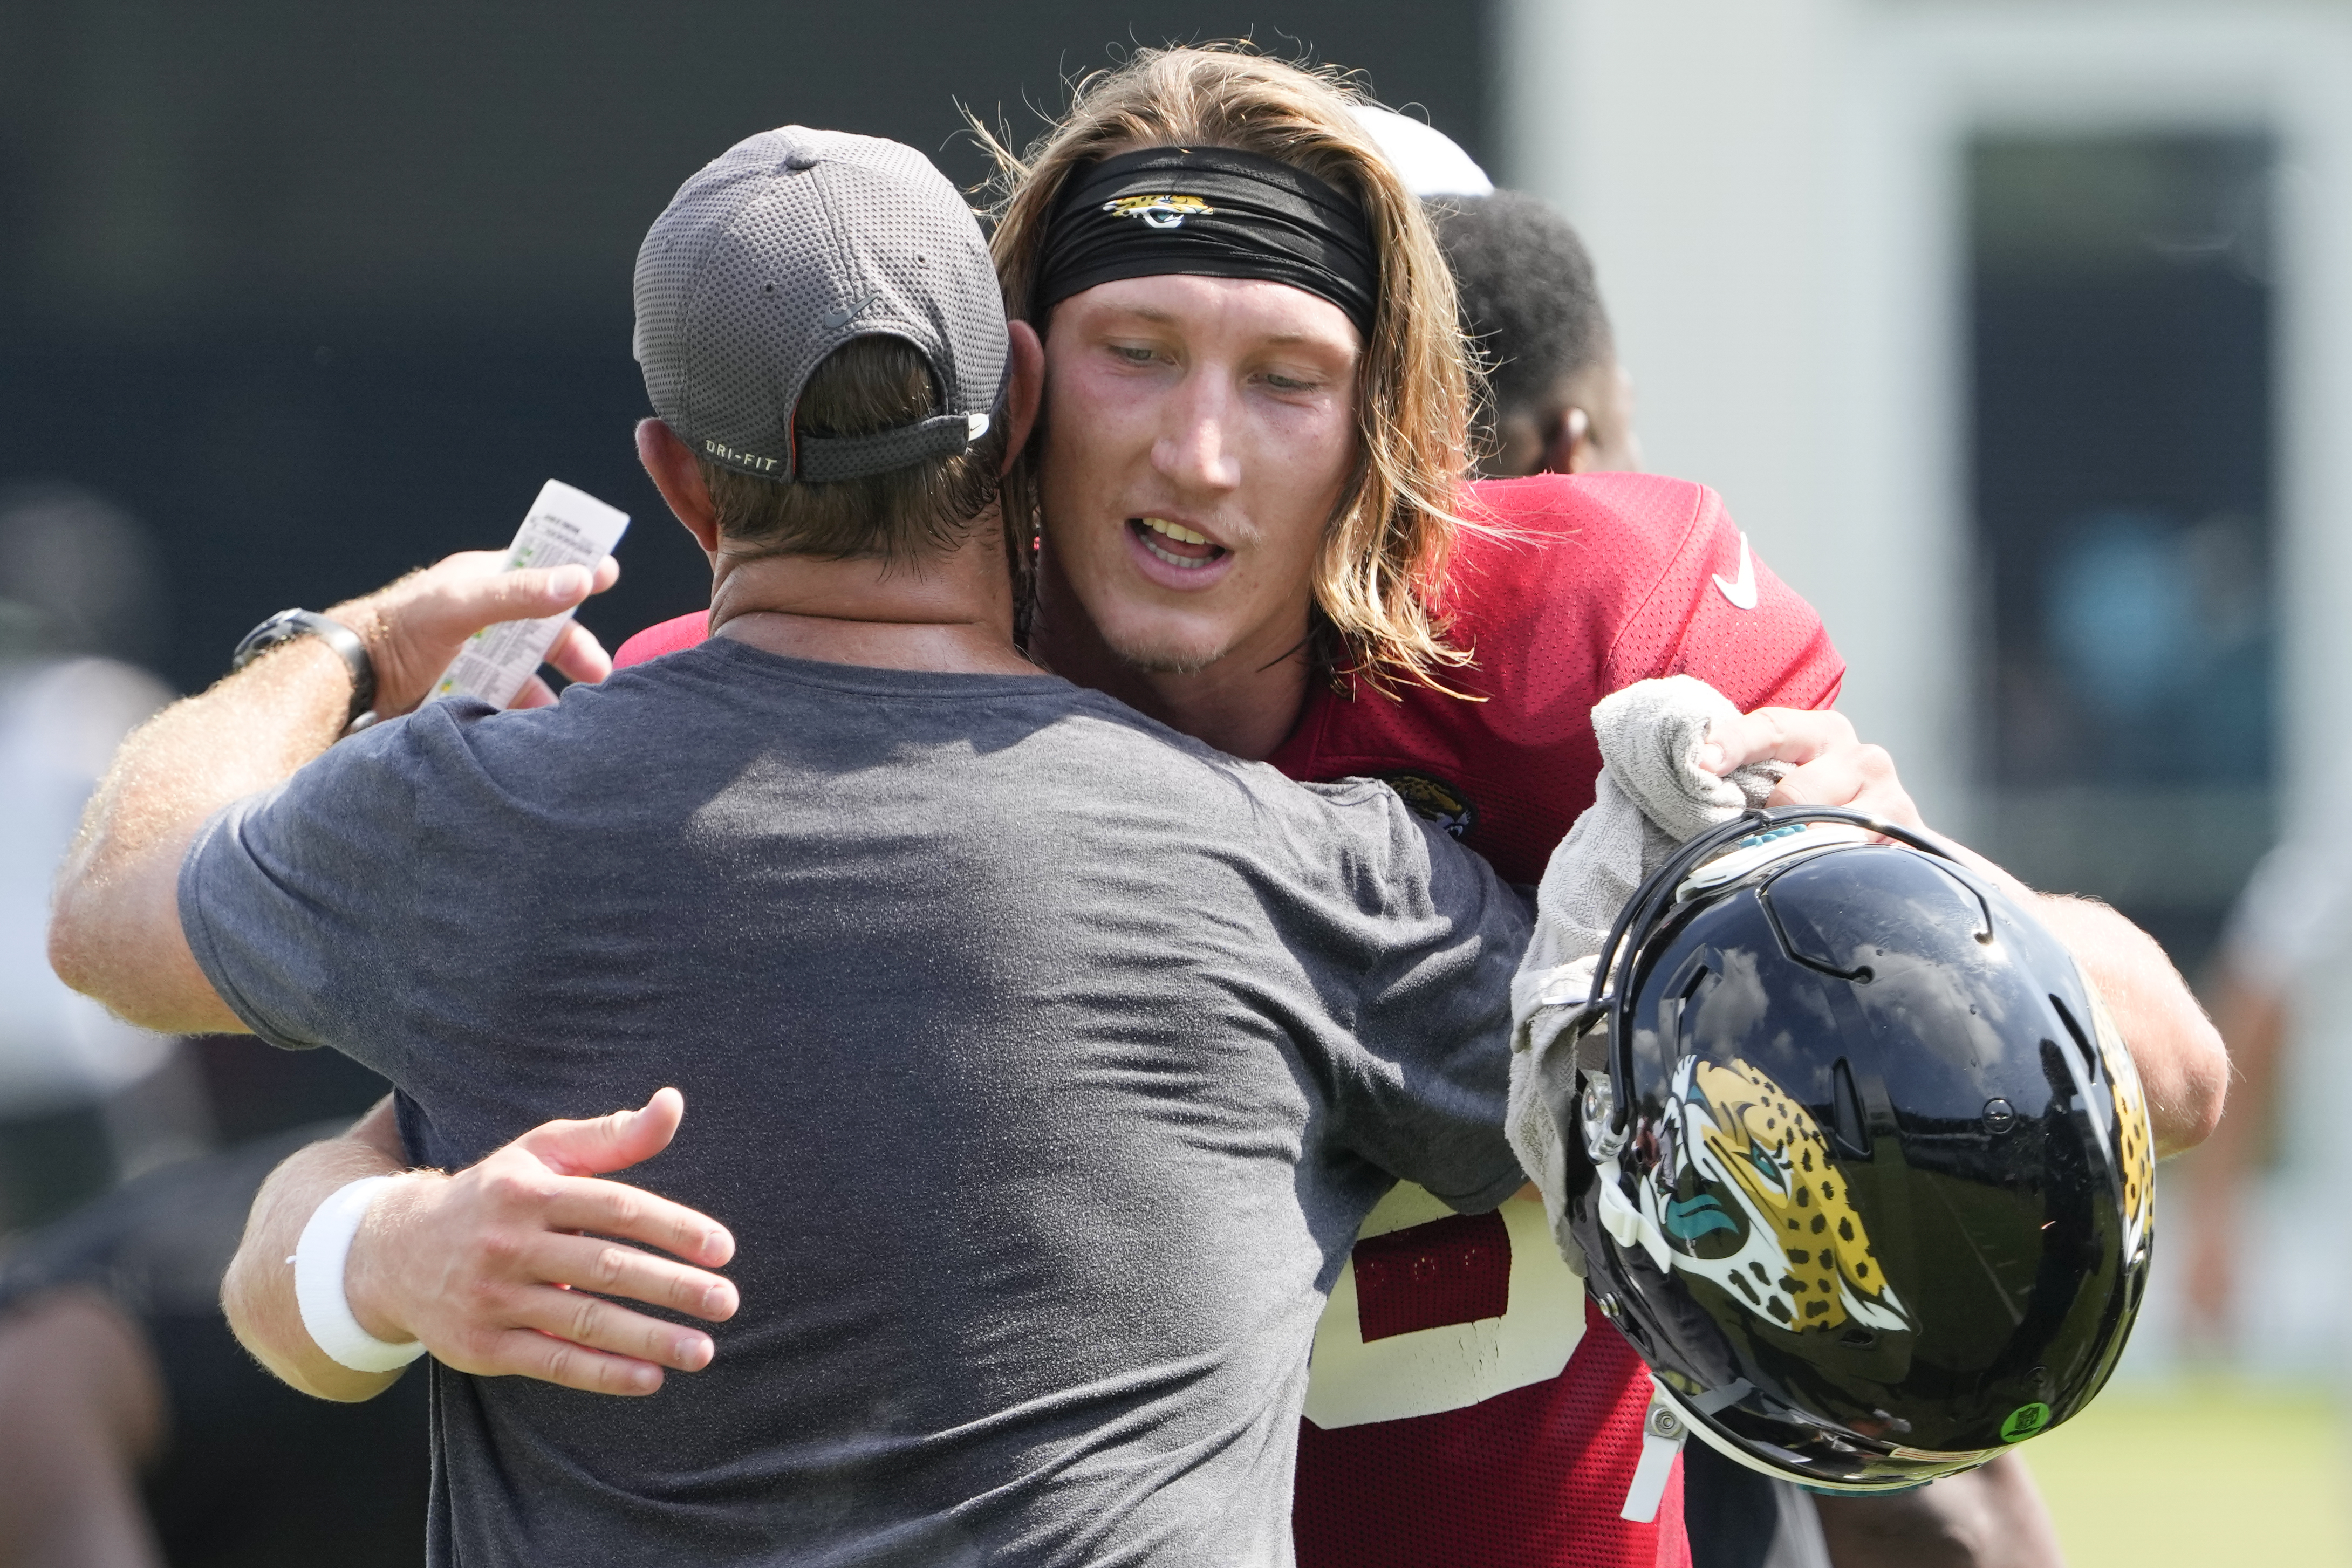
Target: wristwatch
column 288, row 624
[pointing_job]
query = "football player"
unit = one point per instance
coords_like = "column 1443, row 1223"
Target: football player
column 1246, row 515
column 1560, row 402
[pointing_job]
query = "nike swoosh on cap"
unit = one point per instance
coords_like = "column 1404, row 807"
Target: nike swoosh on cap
column 1741, row 590
column 840, row 316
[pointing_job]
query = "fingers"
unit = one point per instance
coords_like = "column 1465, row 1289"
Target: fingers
column 462, row 593
column 526, row 1352
column 569, row 1336
column 590, row 1263
column 610, row 1142
column 491, row 1269
column 551, row 590
column 415, row 627
column 1775, row 735
column 1856, row 776
column 578, row 654
column 614, row 1208
column 580, row 1319
column 523, row 595
column 575, row 650
column 1831, row 766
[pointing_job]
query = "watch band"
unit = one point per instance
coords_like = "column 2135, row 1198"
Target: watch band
column 288, row 624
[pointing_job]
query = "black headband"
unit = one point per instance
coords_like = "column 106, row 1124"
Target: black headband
column 1209, row 212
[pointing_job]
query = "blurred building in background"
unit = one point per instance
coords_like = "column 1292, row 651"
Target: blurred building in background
column 2020, row 337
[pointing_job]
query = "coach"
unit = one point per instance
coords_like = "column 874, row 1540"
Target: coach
column 1044, row 1061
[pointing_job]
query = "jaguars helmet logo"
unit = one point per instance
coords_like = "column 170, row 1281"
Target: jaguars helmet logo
column 2135, row 1139
column 1750, row 1199
column 1164, row 211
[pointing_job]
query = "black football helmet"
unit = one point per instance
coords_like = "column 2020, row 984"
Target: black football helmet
column 1870, row 1182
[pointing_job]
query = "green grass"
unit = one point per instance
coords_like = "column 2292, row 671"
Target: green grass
column 2202, row 1472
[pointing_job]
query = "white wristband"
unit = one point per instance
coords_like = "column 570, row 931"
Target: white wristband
column 318, row 1261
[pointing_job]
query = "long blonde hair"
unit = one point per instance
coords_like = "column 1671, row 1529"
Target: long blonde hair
column 1387, row 540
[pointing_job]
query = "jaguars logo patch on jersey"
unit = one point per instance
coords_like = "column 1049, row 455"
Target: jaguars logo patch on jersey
column 1164, row 211
column 1434, row 800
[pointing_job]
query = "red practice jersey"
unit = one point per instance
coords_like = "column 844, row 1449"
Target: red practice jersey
column 1585, row 585
column 1595, row 583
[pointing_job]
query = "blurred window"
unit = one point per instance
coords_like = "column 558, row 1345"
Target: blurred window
column 2121, row 306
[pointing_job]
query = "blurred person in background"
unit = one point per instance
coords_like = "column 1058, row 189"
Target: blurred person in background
column 134, row 1430
column 84, row 1098
column 1558, row 401
column 2293, row 920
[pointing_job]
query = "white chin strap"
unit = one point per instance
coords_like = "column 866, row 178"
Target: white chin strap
column 1663, row 1433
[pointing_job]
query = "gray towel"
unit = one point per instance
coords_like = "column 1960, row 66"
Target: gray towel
column 1651, row 795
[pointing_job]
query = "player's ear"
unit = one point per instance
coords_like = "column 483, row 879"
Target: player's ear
column 1023, row 390
column 671, row 466
column 1569, row 446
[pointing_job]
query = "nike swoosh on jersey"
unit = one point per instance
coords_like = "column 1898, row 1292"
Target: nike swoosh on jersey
column 1741, row 590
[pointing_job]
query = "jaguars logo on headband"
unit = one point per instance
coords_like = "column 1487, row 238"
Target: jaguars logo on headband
column 1756, row 1206
column 1165, row 211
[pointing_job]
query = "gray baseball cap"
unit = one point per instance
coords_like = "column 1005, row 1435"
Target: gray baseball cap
column 782, row 250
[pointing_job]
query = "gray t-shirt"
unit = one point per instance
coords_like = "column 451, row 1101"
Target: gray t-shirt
column 1043, row 1063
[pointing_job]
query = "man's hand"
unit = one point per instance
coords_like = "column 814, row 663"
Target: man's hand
column 114, row 926
column 414, row 627
column 487, row 1267
column 2181, row 1060
column 1830, row 766
column 490, row 1269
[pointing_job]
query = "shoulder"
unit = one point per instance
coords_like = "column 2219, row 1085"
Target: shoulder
column 1561, row 590
column 1622, row 519
column 1641, row 574
column 1349, row 832
column 664, row 637
column 452, row 752
column 362, row 776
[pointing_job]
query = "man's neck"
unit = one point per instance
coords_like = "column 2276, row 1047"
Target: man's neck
column 951, row 613
column 1244, row 705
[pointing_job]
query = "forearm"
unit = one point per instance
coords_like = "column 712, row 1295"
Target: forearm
column 114, row 931
column 511, row 1266
column 2178, row 1053
column 258, row 1293
column 1986, row 1516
